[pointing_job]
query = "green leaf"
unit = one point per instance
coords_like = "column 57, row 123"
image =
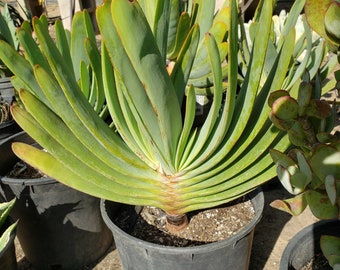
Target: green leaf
column 190, row 110
column 154, row 97
column 5, row 237
column 97, row 80
column 22, row 68
column 96, row 186
column 82, row 29
column 184, row 62
column 285, row 108
column 331, row 189
column 5, row 209
column 294, row 206
column 315, row 14
column 182, row 30
column 208, row 126
column 321, row 206
column 330, row 246
column 326, row 161
column 63, row 41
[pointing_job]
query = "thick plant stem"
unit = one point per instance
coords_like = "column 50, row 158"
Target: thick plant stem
column 176, row 223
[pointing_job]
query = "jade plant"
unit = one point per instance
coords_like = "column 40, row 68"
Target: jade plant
column 152, row 154
column 5, row 209
column 311, row 170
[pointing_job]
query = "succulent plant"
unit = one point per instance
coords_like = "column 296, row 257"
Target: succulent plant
column 323, row 16
column 5, row 209
column 10, row 20
column 153, row 155
column 311, row 169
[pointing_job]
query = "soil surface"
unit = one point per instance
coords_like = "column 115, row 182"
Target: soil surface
column 210, row 225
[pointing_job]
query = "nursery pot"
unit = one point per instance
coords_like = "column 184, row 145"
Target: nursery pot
column 59, row 227
column 303, row 247
column 231, row 253
column 9, row 127
column 8, row 258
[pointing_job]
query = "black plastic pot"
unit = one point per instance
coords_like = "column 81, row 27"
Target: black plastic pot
column 8, row 260
column 59, row 227
column 231, row 253
column 303, row 247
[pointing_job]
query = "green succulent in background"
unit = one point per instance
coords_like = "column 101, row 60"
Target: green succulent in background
column 152, row 155
column 311, row 169
column 10, row 20
column 310, row 51
column 170, row 35
column 5, row 209
column 323, row 16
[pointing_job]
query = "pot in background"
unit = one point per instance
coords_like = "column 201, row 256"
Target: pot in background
column 59, row 227
column 303, row 247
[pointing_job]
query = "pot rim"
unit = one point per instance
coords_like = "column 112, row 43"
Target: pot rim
column 313, row 231
column 22, row 181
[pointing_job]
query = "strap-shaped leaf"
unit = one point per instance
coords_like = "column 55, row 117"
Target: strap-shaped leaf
column 297, row 73
column 96, row 187
column 205, row 15
column 5, row 209
column 176, row 39
column 128, row 79
column 63, row 40
column 73, row 107
column 132, row 25
column 31, row 48
column 82, row 26
column 184, row 142
column 114, row 107
column 60, row 134
column 184, row 62
column 207, row 129
column 97, row 80
column 203, row 68
column 22, row 69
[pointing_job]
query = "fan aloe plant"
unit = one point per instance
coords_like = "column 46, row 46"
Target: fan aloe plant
column 153, row 155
